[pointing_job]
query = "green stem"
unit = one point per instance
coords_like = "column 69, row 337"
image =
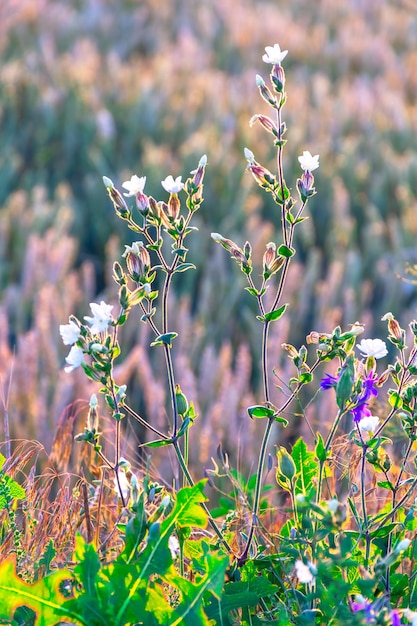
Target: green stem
column 187, row 474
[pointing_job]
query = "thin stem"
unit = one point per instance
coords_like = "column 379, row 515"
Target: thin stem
column 143, row 422
column 187, row 474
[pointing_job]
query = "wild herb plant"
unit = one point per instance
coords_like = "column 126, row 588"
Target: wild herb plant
column 339, row 549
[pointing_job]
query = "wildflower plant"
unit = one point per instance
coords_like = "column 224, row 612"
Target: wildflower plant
column 340, row 549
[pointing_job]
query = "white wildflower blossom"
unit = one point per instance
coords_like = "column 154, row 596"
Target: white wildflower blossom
column 134, row 186
column 172, row 186
column 174, row 546
column 74, row 359
column 308, row 162
column 369, row 424
column 101, row 317
column 274, row 54
column 69, row 333
column 373, row 347
column 305, row 572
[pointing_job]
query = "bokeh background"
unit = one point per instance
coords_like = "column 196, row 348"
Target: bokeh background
column 120, row 87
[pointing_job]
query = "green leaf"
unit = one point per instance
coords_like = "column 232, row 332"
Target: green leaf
column 45, row 597
column 394, row 399
column 285, row 251
column 260, row 411
column 305, row 377
column 238, row 595
column 156, row 557
column 306, row 466
column 281, row 420
column 321, row 453
column 165, row 339
column 11, row 488
column 190, row 610
column 184, row 267
column 158, row 443
column 386, row 484
column 272, row 316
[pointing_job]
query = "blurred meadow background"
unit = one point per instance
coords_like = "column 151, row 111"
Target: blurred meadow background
column 120, row 87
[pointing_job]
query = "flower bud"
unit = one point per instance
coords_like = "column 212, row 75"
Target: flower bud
column 92, row 417
column 263, row 177
column 305, row 185
column 266, row 122
column 182, row 402
column 116, row 197
column 285, row 464
column 278, row 78
column 174, row 206
column 199, row 172
column 142, row 203
column 265, row 92
column 154, row 209
column 138, row 261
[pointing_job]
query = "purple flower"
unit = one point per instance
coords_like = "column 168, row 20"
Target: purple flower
column 396, row 621
column 328, row 381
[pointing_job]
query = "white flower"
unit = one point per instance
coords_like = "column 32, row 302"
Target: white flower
column 172, row 186
column 74, row 359
column 304, row 572
column 69, row 333
column 309, row 162
column 274, row 54
column 174, row 546
column 369, row 424
column 101, row 317
column 134, row 186
column 373, row 347
column 333, row 505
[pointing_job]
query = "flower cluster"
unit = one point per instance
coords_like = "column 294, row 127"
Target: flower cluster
column 72, row 332
column 361, row 385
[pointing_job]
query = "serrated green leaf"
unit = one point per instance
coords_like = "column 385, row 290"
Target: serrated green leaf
column 44, row 597
column 306, row 466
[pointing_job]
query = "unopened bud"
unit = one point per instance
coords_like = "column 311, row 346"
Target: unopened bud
column 142, row 203
column 394, row 328
column 286, row 466
column 263, row 177
column 265, row 92
column 305, row 186
column 266, row 122
column 174, row 206
column 278, row 78
column 199, row 172
column 92, row 417
column 138, row 261
column 154, row 209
